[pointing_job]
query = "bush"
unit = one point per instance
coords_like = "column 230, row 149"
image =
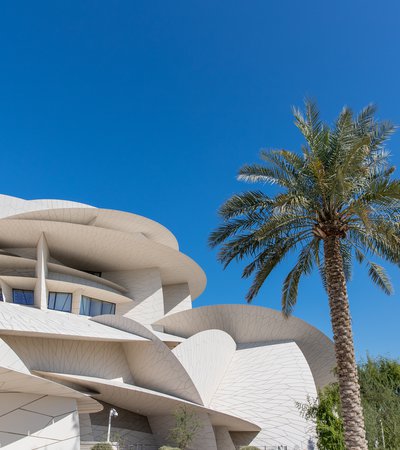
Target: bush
column 165, row 447
column 187, row 426
column 249, row 447
column 102, row 446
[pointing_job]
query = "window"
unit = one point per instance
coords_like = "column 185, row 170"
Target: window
column 23, row 297
column 60, row 301
column 93, row 307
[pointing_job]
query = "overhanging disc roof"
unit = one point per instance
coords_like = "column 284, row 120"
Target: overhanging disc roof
column 90, row 247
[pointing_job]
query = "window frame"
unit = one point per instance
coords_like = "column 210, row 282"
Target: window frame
column 14, row 291
column 55, row 301
column 91, row 300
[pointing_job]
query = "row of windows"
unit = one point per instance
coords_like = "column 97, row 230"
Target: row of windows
column 62, row 301
column 92, row 307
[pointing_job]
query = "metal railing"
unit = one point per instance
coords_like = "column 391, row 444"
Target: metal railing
column 266, row 447
column 156, row 447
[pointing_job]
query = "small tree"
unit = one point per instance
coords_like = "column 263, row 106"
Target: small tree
column 380, row 396
column 187, row 425
column 102, row 446
column 324, row 412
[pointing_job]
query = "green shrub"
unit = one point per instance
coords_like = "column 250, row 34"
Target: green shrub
column 249, row 447
column 102, row 446
column 165, row 447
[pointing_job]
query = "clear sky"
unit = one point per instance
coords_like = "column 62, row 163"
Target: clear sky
column 152, row 106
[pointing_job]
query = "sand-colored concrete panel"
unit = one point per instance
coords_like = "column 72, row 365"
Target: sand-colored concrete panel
column 152, row 364
column 206, row 357
column 26, row 321
column 281, row 373
column 28, row 423
column 145, row 289
column 177, row 298
column 223, row 439
column 107, row 360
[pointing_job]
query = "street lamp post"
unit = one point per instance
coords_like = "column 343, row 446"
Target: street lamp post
column 113, row 413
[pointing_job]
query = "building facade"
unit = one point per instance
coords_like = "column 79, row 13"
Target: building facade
column 96, row 313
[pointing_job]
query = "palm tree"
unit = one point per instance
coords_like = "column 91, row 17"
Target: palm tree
column 336, row 202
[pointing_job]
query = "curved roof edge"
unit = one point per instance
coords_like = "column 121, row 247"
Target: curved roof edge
column 10, row 205
column 147, row 401
column 31, row 215
column 250, row 324
column 81, row 213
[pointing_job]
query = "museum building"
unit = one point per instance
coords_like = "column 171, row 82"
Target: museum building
column 96, row 313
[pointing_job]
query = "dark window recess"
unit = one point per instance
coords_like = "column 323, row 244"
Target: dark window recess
column 97, row 274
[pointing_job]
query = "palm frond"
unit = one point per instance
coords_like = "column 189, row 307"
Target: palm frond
column 365, row 118
column 256, row 173
column 234, row 226
column 245, row 203
column 380, row 134
column 379, row 276
column 303, row 266
column 359, row 255
column 268, row 264
column 381, row 239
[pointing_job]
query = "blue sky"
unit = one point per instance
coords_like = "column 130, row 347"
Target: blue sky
column 152, row 107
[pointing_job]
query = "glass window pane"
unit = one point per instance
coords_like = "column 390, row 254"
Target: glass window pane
column 23, row 297
column 63, row 301
column 85, row 306
column 95, row 307
column 107, row 308
column 60, row 301
column 52, row 299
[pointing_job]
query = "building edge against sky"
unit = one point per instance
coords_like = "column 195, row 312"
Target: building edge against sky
column 96, row 312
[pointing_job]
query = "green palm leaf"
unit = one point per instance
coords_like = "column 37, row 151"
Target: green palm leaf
column 379, row 276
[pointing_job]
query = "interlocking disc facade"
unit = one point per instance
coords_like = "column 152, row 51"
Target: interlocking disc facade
column 96, row 313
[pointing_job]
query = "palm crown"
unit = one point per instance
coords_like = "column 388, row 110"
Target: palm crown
column 339, row 184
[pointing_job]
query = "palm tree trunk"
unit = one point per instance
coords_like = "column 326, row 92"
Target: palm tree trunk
column 354, row 430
